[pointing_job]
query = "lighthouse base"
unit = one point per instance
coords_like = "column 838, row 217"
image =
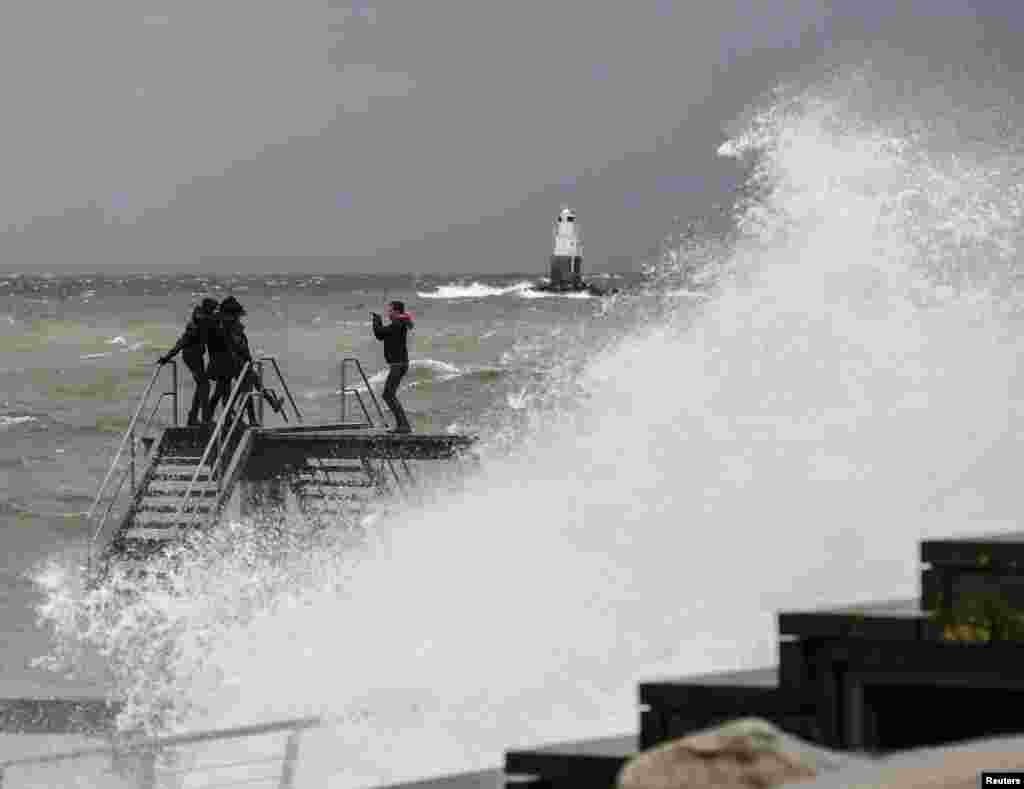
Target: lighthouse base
column 566, row 272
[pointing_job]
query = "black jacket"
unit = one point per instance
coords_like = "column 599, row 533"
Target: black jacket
column 229, row 348
column 394, row 336
column 192, row 344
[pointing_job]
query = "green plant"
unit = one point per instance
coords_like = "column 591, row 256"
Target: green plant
column 982, row 616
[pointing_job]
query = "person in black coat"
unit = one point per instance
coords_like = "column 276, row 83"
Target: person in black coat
column 224, row 367
column 231, row 358
column 396, row 354
column 192, row 345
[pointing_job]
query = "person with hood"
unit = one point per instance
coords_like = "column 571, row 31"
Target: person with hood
column 232, row 357
column 396, row 354
column 192, row 345
column 222, row 361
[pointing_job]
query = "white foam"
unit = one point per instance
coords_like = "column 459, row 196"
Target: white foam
column 10, row 421
column 441, row 371
column 476, row 290
column 543, row 294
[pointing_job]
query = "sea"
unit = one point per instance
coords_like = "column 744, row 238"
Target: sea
column 79, row 350
column 766, row 418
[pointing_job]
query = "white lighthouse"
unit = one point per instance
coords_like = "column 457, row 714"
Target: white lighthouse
column 567, row 256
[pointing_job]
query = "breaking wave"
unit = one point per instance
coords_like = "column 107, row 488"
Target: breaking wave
column 475, row 290
column 848, row 387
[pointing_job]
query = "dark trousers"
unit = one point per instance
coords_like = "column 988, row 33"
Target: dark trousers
column 248, row 384
column 222, row 394
column 201, row 396
column 395, row 376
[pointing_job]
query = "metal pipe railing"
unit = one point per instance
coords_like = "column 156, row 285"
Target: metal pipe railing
column 284, row 384
column 366, row 382
column 129, row 438
column 176, row 411
column 219, row 436
column 148, row 748
column 120, row 449
column 213, row 439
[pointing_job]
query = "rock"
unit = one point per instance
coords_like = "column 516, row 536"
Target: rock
column 742, row 754
column 955, row 766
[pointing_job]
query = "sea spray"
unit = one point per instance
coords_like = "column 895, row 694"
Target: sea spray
column 849, row 388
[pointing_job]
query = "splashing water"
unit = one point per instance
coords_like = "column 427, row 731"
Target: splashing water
column 848, row 389
column 475, row 290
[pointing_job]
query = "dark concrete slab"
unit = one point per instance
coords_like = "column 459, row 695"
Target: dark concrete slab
column 280, row 453
column 897, row 620
column 676, row 708
column 591, row 763
column 485, row 779
column 1004, row 550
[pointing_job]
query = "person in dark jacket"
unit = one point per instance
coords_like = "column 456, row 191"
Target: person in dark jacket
column 192, row 345
column 396, row 354
column 222, row 361
column 233, row 358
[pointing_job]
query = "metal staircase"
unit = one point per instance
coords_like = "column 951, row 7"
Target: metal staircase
column 155, row 516
column 191, row 475
column 330, row 488
column 332, row 470
column 385, row 463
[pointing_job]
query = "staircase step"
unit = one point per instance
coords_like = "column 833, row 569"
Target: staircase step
column 172, row 471
column 177, row 487
column 307, row 482
column 171, row 504
column 327, row 494
column 164, row 534
column 335, row 494
column 338, row 466
column 319, row 501
column 169, row 518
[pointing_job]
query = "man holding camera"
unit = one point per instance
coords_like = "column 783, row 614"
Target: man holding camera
column 396, row 354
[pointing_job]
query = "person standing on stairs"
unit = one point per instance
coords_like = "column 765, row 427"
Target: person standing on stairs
column 192, row 345
column 235, row 358
column 396, row 354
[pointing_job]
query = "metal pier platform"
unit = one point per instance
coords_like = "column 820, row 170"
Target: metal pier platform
column 188, row 478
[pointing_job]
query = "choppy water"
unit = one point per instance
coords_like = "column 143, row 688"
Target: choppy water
column 675, row 477
column 77, row 351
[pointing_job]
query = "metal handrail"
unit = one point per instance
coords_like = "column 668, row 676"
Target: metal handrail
column 129, row 438
column 248, row 397
column 284, row 383
column 366, row 382
column 233, row 402
column 124, row 439
column 218, row 436
column 213, row 438
column 347, row 389
column 150, row 746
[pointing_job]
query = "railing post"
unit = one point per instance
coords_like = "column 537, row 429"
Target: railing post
column 131, row 440
column 343, row 400
column 261, row 401
column 291, row 758
column 174, row 387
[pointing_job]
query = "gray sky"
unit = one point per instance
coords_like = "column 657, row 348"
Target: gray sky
column 399, row 136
